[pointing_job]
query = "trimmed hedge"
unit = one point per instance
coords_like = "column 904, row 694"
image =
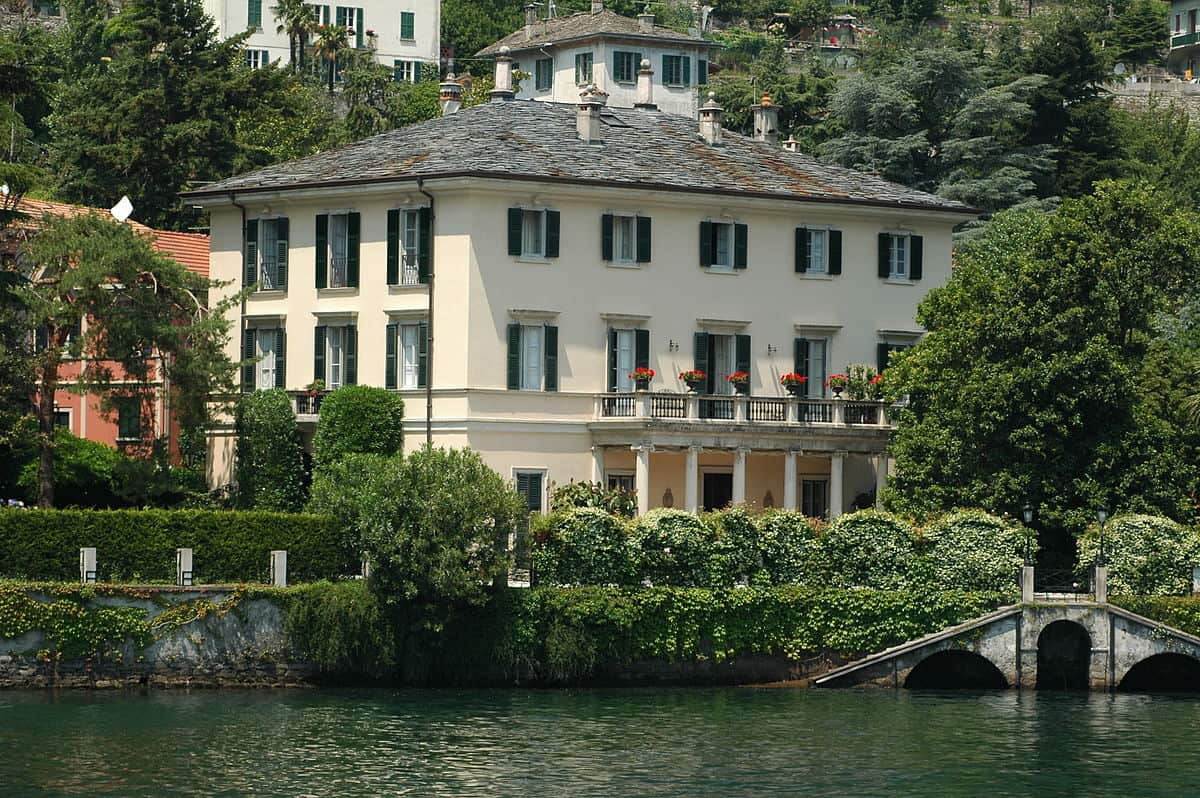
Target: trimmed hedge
column 139, row 545
column 1147, row 555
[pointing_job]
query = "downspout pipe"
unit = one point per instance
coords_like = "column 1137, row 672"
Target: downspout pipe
column 429, row 270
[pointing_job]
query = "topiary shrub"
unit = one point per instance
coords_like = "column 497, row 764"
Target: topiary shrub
column 270, row 460
column 673, row 548
column 868, row 549
column 791, row 553
column 83, row 473
column 1146, row 555
column 583, row 546
column 736, row 556
column 593, row 494
column 975, row 550
column 358, row 418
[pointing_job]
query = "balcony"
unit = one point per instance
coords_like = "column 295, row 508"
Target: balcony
column 1185, row 39
column 750, row 410
column 306, row 404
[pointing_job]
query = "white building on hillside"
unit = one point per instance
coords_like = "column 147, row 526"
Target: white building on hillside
column 506, row 267
column 406, row 32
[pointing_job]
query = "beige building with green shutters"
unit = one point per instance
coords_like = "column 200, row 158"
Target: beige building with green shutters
column 506, row 267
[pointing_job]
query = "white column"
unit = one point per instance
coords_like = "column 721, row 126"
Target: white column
column 836, row 500
column 881, row 477
column 597, row 464
column 789, row 480
column 691, row 489
column 739, row 474
column 642, row 477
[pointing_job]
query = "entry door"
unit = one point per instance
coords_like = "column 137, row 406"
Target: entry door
column 718, row 491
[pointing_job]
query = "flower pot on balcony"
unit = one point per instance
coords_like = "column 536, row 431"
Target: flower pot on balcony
column 795, row 388
column 694, row 385
column 741, row 388
column 837, row 391
column 642, row 385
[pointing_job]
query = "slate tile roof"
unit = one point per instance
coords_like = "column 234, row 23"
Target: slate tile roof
column 531, row 140
column 583, row 25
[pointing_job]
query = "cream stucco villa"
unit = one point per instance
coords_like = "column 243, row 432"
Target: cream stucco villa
column 506, row 266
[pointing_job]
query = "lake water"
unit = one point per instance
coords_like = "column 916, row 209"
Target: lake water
column 698, row 742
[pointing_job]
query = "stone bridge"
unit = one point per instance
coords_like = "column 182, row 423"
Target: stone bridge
column 1067, row 643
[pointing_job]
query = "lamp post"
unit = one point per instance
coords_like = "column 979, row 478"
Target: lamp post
column 1027, row 516
column 1102, row 517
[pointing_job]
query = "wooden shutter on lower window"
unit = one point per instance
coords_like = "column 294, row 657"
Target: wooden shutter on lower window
column 687, row 70
column 612, row 359
column 353, row 236
column 643, row 239
column 281, row 253
column 248, row 361
column 515, row 217
column 422, row 354
column 882, row 352
column 550, row 342
column 741, row 236
column 389, row 364
column 322, row 247
column 700, row 359
column 742, row 353
column 706, row 243
column 606, row 236
column 358, row 30
column 393, row 247
column 835, row 251
column 916, row 256
column 319, row 352
column 800, row 356
column 351, row 339
column 552, row 234
column 641, row 349
column 801, row 250
column 885, row 255
column 424, row 245
column 280, row 358
column 250, row 254
column 514, row 357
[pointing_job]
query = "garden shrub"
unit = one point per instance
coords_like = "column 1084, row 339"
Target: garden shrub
column 270, row 460
column 584, row 546
column 673, row 547
column 341, row 627
column 736, row 554
column 790, row 550
column 83, row 473
column 593, row 494
column 868, row 549
column 139, row 545
column 358, row 418
column 1147, row 555
column 974, row 550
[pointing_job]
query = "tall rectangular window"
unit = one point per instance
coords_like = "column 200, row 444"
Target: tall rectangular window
column 410, row 353
column 404, row 71
column 339, row 250
column 898, row 257
column 817, row 369
column 532, row 358
column 722, row 246
column 129, row 418
column 410, row 247
column 256, row 59
column 272, row 254
column 626, row 358
column 407, row 25
column 583, row 68
column 62, row 418
column 351, row 17
column 335, row 357
column 266, row 350
column 625, row 66
column 624, row 238
column 675, row 70
column 818, row 251
column 533, row 233
column 254, row 14
column 543, row 77
column 812, row 497
column 529, row 485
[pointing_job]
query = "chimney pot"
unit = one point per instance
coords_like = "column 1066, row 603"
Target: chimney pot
column 450, row 97
column 645, row 87
column 646, row 21
column 791, row 145
column 766, row 120
column 711, row 117
column 504, row 84
column 530, row 20
column 587, row 117
column 597, row 6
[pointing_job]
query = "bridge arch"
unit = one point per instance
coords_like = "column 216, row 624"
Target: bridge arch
column 1168, row 672
column 955, row 669
column 1064, row 655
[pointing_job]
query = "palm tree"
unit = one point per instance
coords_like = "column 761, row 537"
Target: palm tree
column 331, row 40
column 295, row 18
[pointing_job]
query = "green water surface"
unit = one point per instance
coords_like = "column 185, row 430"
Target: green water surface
column 718, row 742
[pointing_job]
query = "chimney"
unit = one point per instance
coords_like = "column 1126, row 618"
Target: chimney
column 646, row 21
column 645, row 87
column 711, row 116
column 587, row 118
column 450, row 98
column 597, row 6
column 530, row 20
column 766, row 121
column 504, row 84
column 791, row 145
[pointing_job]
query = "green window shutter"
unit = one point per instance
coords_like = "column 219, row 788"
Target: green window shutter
column 248, row 360
column 424, row 244
column 280, row 358
column 353, row 235
column 579, row 68
column 393, row 247
column 514, row 357
column 801, row 249
column 550, row 375
column 281, row 252
column 612, row 359
column 701, row 72
column 322, row 247
column 741, row 235
column 706, row 243
column 916, row 254
column 666, row 75
column 358, row 30
column 389, row 363
column 606, row 236
column 351, row 334
column 741, row 360
column 254, row 14
column 552, row 230
column 319, row 352
column 800, row 356
column 340, row 17
column 835, row 251
column 686, row 61
column 641, row 349
column 514, row 231
column 407, row 25
column 422, row 354
column 250, row 254
column 882, row 351
column 700, row 359
column 643, row 239
column 885, row 257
